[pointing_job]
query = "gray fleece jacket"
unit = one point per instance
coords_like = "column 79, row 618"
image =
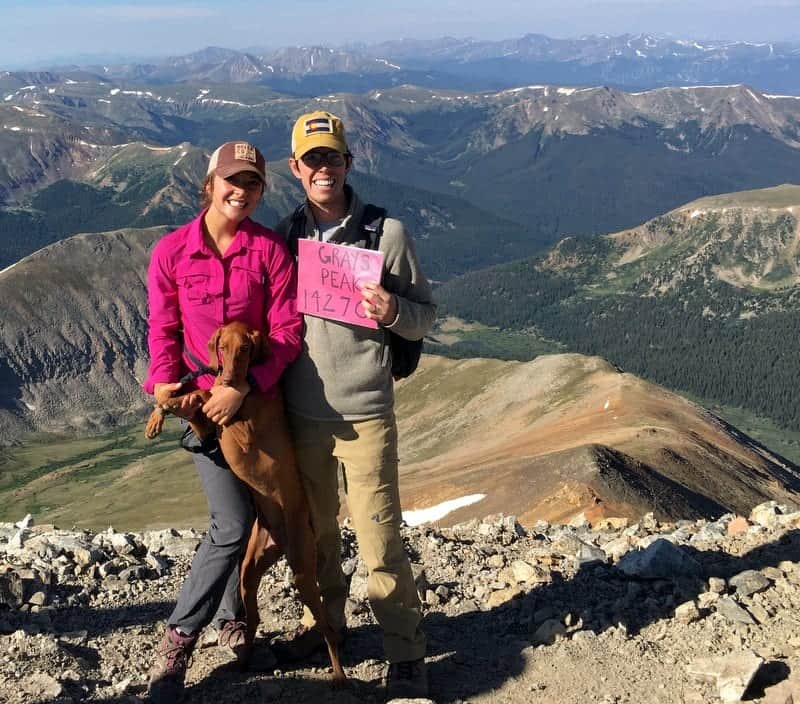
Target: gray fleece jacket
column 344, row 371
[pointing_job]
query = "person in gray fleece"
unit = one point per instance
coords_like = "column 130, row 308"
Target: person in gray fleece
column 340, row 401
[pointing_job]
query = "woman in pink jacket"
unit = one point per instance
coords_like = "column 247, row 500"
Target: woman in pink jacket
column 220, row 267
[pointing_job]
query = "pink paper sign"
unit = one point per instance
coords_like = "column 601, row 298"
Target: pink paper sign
column 328, row 278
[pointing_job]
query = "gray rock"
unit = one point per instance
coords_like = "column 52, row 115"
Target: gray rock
column 789, row 519
column 579, row 521
column 26, row 522
column 566, row 543
column 136, row 573
column 38, row 598
column 749, row 582
column 765, row 514
column 661, row 560
column 730, row 674
column 17, row 540
column 710, row 533
column 496, row 562
column 159, row 564
column 758, row 612
column 41, row 686
column 588, row 554
column 74, row 637
column 728, row 608
column 649, row 522
column 489, row 530
column 547, row 633
column 523, row 571
column 121, row 543
column 716, row 585
column 687, row 612
column 511, row 525
column 617, row 547
column 171, row 542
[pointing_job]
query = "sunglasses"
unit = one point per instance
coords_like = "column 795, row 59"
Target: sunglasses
column 313, row 160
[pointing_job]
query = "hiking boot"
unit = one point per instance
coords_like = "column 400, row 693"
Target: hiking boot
column 168, row 672
column 232, row 635
column 304, row 643
column 407, row 680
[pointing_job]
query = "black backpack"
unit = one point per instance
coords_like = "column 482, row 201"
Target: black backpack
column 405, row 353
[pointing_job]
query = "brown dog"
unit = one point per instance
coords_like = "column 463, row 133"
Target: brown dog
column 257, row 446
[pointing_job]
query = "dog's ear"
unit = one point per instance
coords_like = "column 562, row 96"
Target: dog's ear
column 213, row 357
column 260, row 347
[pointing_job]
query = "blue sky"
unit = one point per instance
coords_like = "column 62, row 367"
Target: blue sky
column 38, row 31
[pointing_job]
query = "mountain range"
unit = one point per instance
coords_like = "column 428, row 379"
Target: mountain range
column 628, row 61
column 524, row 166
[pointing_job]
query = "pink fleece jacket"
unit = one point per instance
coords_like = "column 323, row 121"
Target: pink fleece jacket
column 192, row 292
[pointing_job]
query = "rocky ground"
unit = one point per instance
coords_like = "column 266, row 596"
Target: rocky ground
column 691, row 612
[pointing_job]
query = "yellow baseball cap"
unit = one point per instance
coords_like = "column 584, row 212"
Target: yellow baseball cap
column 318, row 129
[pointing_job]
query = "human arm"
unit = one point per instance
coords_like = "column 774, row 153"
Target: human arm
column 225, row 401
column 284, row 325
column 163, row 333
column 404, row 301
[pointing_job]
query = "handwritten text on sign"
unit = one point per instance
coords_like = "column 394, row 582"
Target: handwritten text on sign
column 328, row 278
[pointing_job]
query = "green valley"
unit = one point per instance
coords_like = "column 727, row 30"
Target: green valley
column 704, row 300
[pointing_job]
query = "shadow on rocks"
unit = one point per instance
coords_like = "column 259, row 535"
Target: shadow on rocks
column 76, row 624
column 478, row 651
column 225, row 686
column 474, row 652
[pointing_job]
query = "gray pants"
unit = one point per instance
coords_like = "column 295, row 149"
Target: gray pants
column 211, row 590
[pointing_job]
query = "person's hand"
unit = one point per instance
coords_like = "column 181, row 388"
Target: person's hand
column 378, row 303
column 225, row 402
column 189, row 404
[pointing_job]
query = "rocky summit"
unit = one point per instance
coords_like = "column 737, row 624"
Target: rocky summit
column 690, row 612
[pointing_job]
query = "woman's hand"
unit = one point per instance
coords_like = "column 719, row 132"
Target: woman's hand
column 224, row 403
column 189, row 403
column 378, row 303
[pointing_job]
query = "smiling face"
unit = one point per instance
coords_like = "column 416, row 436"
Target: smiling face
column 234, row 198
column 323, row 182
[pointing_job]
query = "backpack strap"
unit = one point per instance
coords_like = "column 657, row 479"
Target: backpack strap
column 297, row 228
column 372, row 224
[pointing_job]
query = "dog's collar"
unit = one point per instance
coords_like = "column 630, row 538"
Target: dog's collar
column 191, row 376
column 202, row 369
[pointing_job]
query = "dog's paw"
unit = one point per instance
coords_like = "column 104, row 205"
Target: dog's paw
column 155, row 424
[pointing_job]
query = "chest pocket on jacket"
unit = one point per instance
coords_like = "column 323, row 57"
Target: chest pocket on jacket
column 245, row 289
column 194, row 289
